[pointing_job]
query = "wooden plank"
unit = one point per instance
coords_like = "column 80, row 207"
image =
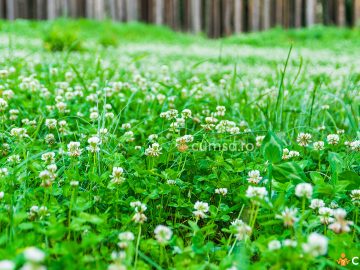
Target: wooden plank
column 65, row 8
column 2, row 10
column 341, row 15
column 131, row 10
column 254, row 15
column 112, row 7
column 238, row 8
column 196, row 16
column 10, row 10
column 278, row 12
column 159, row 12
column 298, row 13
column 176, row 12
column 265, row 14
column 99, row 9
column 40, row 9
column 227, row 12
column 310, row 12
column 72, row 5
column 356, row 12
column 287, row 11
column 120, row 10
column 216, row 18
column 21, row 9
column 89, row 13
column 187, row 15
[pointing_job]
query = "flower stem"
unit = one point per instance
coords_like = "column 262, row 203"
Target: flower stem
column 137, row 247
column 270, row 179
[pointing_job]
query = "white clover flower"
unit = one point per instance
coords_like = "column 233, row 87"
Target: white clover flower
column 74, row 149
column 241, row 229
column 304, row 139
column 334, row 205
column 316, row 245
column 333, row 139
column 138, row 206
column 288, row 215
column 199, row 214
column 48, row 157
column 325, row 107
column 220, row 110
column 321, row 128
column 163, row 234
column 259, row 140
column 200, row 209
column 19, row 133
column 171, row 182
column 139, row 218
column 319, row 145
column 340, row 224
column 126, row 126
column 2, row 194
column 94, row 116
column 51, row 123
column 254, row 177
column 153, row 138
column 61, row 106
column 52, row 168
column 3, row 104
column 135, row 204
column 154, row 150
column 274, row 245
column 34, row 255
column 117, row 175
column 303, row 190
column 126, row 236
column 7, row 265
column 74, row 183
column 221, row 191
column 316, row 204
column 4, row 172
column 172, row 114
column 355, row 195
column 201, row 206
column 294, row 154
column 355, row 145
column 14, row 159
column 186, row 113
column 94, row 143
column 256, row 192
column 289, row 243
column 287, row 154
column 50, row 139
column 326, row 214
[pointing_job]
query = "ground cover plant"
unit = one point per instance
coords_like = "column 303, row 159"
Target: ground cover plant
column 146, row 149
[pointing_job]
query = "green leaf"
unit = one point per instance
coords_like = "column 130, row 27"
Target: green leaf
column 335, row 162
column 94, row 219
column 289, row 171
column 272, row 148
column 352, row 177
column 316, row 178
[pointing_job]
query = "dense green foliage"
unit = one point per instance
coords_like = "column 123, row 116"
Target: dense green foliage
column 245, row 149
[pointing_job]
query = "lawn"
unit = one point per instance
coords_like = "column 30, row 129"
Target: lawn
column 135, row 147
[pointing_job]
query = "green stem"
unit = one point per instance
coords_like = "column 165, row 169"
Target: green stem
column 137, row 247
column 69, row 215
column 232, row 247
column 270, row 179
column 355, row 223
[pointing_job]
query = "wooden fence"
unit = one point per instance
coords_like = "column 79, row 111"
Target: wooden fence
column 213, row 17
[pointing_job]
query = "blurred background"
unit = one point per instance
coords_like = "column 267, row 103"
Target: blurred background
column 215, row 18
